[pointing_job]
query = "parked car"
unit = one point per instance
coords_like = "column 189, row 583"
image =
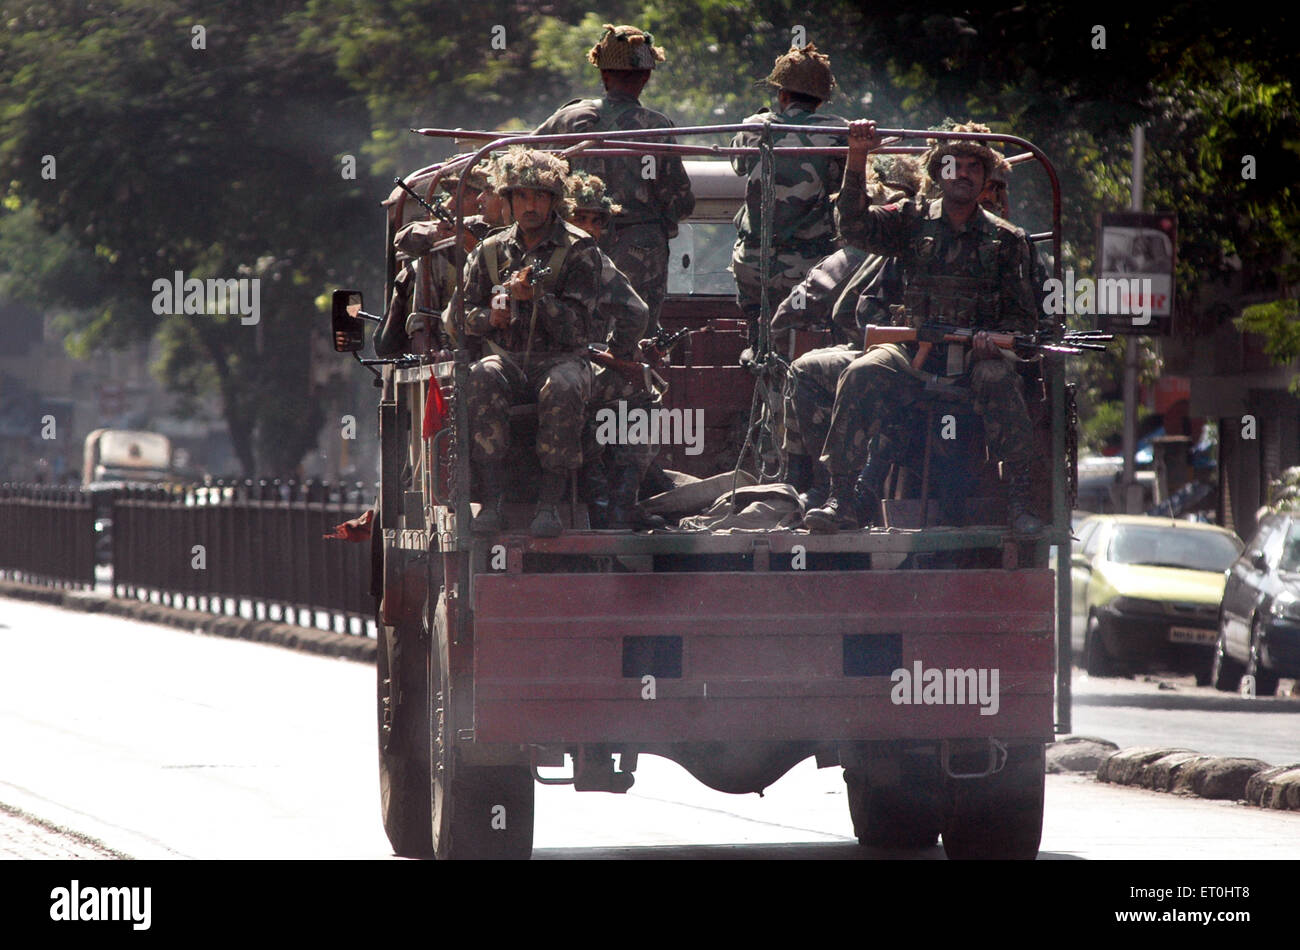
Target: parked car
column 1259, row 624
column 1147, row 592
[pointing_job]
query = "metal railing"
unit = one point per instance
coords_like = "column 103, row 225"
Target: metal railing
column 47, row 535
column 252, row 549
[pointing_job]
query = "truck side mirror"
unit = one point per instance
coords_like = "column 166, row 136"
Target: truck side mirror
column 349, row 329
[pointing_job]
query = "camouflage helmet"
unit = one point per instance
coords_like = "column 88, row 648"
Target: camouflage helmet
column 625, row 47
column 900, row 172
column 476, row 177
column 587, row 193
column 803, row 70
column 1001, row 167
column 987, row 157
column 522, row 167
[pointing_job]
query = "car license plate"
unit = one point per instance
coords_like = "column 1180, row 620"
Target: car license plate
column 1193, row 635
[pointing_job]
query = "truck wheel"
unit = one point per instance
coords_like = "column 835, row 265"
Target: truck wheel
column 1265, row 680
column 477, row 812
column 896, row 816
column 999, row 817
column 1225, row 672
column 404, row 738
column 1096, row 661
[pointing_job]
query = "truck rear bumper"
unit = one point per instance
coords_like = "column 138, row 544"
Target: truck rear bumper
column 741, row 656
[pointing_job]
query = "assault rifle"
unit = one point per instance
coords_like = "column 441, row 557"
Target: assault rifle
column 642, row 375
column 1070, row 343
column 437, row 210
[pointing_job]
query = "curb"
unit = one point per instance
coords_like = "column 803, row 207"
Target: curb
column 1184, row 772
column 304, row 639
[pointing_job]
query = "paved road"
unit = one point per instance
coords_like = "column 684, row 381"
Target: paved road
column 1173, row 711
column 158, row 743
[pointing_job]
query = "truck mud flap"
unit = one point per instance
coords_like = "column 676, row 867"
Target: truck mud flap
column 847, row 656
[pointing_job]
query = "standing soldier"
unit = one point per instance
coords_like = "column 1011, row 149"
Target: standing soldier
column 803, row 229
column 961, row 266
column 654, row 191
column 536, row 335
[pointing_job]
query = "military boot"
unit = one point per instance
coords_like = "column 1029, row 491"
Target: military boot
column 840, row 511
column 820, row 489
column 593, row 484
column 870, row 487
column 546, row 522
column 1019, row 515
column 625, row 514
column 489, row 519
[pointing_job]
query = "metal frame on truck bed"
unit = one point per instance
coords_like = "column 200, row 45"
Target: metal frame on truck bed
column 921, row 658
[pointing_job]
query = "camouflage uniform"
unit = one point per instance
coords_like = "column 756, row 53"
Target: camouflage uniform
column 978, row 277
column 655, row 191
column 803, row 231
column 810, row 395
column 554, row 371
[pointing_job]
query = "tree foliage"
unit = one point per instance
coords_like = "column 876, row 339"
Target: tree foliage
column 225, row 161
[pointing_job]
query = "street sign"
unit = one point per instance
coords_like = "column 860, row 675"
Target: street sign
column 1135, row 288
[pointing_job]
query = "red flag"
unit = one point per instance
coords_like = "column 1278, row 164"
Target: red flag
column 435, row 410
column 358, row 529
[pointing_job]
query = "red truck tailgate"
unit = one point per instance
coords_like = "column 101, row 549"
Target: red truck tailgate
column 740, row 656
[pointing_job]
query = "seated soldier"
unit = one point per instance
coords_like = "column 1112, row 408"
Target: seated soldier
column 843, row 286
column 536, row 335
column 962, row 266
column 621, row 318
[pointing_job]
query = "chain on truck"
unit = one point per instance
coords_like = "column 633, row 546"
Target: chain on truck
column 508, row 660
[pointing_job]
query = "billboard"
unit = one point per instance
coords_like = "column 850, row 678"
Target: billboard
column 1137, row 255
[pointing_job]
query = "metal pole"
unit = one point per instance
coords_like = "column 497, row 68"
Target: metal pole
column 1132, row 491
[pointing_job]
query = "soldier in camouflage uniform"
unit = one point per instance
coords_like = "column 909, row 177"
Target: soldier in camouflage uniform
column 426, row 278
column 848, row 290
column 961, row 266
column 537, row 335
column 803, row 230
column 611, row 475
column 654, row 191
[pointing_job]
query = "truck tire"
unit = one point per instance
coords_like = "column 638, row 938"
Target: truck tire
column 404, row 738
column 999, row 817
column 477, row 812
column 896, row 816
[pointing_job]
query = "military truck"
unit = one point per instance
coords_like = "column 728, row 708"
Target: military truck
column 917, row 657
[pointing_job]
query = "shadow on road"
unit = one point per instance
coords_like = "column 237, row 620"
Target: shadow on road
column 837, row 851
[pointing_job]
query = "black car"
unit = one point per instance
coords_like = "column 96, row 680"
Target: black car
column 1259, row 622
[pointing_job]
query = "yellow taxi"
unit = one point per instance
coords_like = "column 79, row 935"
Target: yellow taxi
column 1146, row 593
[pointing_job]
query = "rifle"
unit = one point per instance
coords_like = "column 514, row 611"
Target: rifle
column 437, row 210
column 1070, row 343
column 657, row 348
column 641, row 375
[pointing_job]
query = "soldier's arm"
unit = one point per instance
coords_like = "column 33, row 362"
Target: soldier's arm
column 478, row 296
column 676, row 200
column 1019, row 303
column 879, row 229
column 629, row 312
column 568, row 312
column 744, row 164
